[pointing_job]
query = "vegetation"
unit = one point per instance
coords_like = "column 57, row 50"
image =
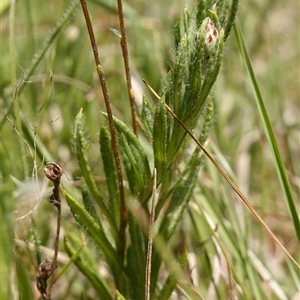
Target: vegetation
column 130, row 207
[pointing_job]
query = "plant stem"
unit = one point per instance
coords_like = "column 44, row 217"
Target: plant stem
column 114, row 144
column 150, row 239
column 127, row 68
column 54, row 172
column 58, row 221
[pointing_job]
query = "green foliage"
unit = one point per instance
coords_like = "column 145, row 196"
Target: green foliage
column 138, row 169
column 199, row 227
column 110, row 174
column 186, row 88
column 24, row 284
column 86, row 263
column 80, row 143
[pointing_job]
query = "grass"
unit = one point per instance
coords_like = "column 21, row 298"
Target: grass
column 222, row 247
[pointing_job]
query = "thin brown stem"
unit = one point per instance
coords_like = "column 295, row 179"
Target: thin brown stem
column 56, row 245
column 53, row 172
column 114, row 144
column 127, row 67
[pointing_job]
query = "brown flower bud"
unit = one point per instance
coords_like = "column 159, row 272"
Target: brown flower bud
column 53, row 171
column 45, row 269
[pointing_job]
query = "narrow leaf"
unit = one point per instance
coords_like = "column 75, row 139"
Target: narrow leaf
column 160, row 132
column 66, row 17
column 86, row 265
column 137, row 155
column 136, row 258
column 281, row 172
column 170, row 282
column 24, row 284
column 88, row 224
column 89, row 205
column 136, row 174
column 80, row 142
column 181, row 193
column 111, row 176
column 147, row 116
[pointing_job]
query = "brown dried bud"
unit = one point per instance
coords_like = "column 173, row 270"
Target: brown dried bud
column 53, row 171
column 211, row 35
column 45, row 269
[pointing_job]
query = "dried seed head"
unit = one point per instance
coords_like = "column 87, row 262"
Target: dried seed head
column 45, row 269
column 53, row 171
column 211, row 35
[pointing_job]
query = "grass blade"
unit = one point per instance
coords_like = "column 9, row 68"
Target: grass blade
column 85, row 262
column 67, row 16
column 79, row 147
column 110, row 170
column 93, row 229
column 281, row 172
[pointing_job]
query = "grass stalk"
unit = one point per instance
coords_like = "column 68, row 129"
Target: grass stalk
column 127, row 67
column 114, row 143
column 280, row 168
column 16, row 101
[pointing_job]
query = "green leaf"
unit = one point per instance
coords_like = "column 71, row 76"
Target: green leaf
column 129, row 172
column 80, row 142
column 171, row 281
column 119, row 296
column 136, row 258
column 24, row 284
column 88, row 224
column 111, row 176
column 87, row 265
column 160, row 139
column 89, row 205
column 147, row 116
column 208, row 120
column 135, row 176
column 177, row 33
column 226, row 12
column 135, row 155
column 280, row 168
column 196, row 66
column 66, row 17
column 181, row 194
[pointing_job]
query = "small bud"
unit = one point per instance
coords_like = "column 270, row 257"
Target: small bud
column 45, row 269
column 211, row 35
column 53, row 171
